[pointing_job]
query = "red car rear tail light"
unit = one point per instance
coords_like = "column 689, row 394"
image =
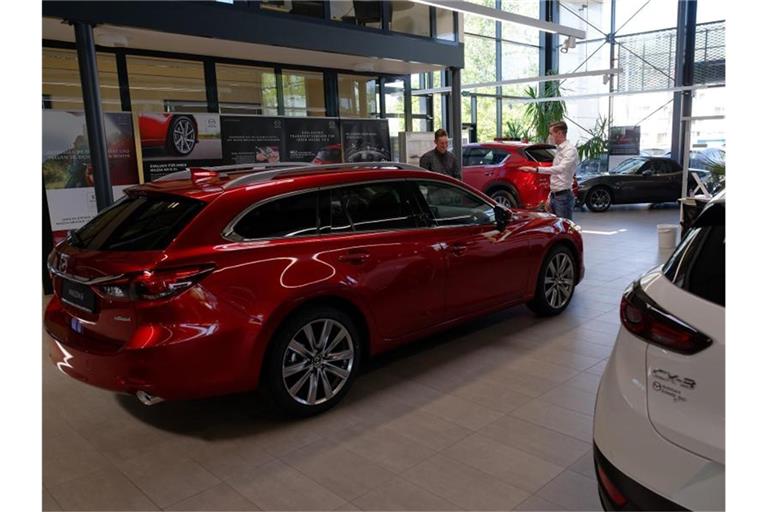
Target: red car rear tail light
column 613, row 492
column 641, row 316
column 160, row 284
column 155, row 284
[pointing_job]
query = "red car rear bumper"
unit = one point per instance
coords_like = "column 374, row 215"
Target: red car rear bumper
column 189, row 367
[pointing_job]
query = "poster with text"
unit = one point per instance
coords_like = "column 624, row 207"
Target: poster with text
column 67, row 171
column 173, row 141
column 624, row 140
column 251, row 139
column 366, row 140
column 415, row 144
column 312, row 140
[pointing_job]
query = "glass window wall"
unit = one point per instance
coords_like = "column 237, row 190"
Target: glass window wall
column 410, row 18
column 304, row 93
column 515, row 31
column 61, row 81
column 166, row 85
column 358, row 96
column 363, row 14
column 444, row 25
column 246, row 90
column 314, row 9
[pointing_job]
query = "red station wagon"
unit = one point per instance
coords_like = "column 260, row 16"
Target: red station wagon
column 219, row 281
column 494, row 168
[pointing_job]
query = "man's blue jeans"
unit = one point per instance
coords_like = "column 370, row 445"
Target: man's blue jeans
column 562, row 204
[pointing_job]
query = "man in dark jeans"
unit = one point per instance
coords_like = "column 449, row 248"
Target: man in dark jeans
column 440, row 159
column 561, row 172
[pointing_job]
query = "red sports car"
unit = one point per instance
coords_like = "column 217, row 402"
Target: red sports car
column 494, row 168
column 177, row 133
column 290, row 278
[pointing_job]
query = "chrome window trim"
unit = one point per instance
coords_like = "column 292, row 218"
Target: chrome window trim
column 80, row 279
column 77, row 306
column 229, row 234
column 492, row 205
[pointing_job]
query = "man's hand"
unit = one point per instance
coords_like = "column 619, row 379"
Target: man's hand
column 529, row 169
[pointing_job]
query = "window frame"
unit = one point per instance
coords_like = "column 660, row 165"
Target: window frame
column 230, row 235
column 418, row 214
column 425, row 206
column 677, row 269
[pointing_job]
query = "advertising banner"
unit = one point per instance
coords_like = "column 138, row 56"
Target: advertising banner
column 312, row 140
column 624, row 140
column 172, row 141
column 67, row 171
column 415, row 144
column 366, row 140
column 251, row 139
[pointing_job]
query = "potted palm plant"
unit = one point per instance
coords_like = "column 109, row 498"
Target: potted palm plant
column 516, row 130
column 542, row 113
column 597, row 142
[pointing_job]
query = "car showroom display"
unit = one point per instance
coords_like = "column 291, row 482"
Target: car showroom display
column 659, row 423
column 494, row 168
column 636, row 180
column 176, row 133
column 217, row 282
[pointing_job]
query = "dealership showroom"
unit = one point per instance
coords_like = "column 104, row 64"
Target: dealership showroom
column 383, row 255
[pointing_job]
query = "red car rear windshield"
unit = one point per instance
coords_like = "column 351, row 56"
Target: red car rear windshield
column 140, row 223
column 540, row 154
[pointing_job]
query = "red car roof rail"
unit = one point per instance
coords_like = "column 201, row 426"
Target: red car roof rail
column 316, row 169
column 222, row 170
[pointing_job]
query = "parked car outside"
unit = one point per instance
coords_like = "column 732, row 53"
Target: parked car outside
column 704, row 159
column 635, row 180
column 494, row 168
column 659, row 423
column 288, row 278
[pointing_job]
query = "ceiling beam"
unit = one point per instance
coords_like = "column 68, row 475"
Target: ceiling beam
column 504, row 16
column 514, row 81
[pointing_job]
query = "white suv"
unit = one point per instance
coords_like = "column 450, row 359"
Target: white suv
column 659, row 427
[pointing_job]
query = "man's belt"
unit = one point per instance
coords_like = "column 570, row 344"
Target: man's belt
column 561, row 192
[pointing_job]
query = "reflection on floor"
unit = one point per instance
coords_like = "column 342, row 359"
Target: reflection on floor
column 493, row 415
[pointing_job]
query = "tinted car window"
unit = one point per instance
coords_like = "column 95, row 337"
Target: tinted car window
column 476, row 156
column 333, row 216
column 669, row 166
column 141, row 223
column 373, row 206
column 630, row 166
column 294, row 215
column 698, row 263
column 540, row 154
column 654, row 166
column 452, row 206
column 495, row 157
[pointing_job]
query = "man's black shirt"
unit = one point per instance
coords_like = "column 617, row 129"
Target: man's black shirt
column 444, row 163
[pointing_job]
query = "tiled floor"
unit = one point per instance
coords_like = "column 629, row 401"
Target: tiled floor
column 495, row 415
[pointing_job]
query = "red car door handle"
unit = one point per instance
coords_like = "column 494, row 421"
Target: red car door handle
column 459, row 248
column 355, row 257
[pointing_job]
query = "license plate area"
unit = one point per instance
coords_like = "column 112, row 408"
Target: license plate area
column 78, row 295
